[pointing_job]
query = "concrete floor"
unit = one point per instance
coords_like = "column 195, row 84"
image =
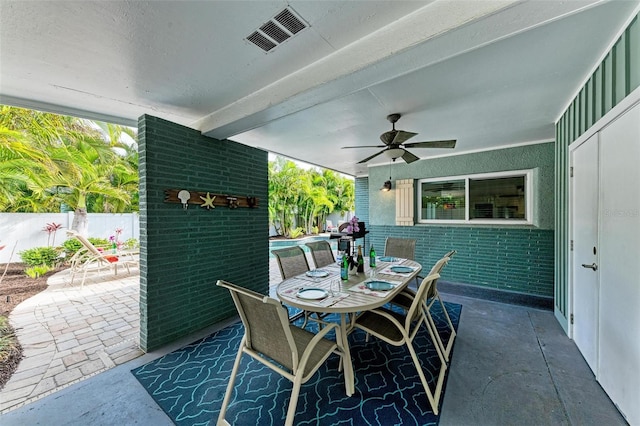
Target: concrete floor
column 511, row 365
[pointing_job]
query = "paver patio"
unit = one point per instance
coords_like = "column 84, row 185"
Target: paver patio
column 68, row 333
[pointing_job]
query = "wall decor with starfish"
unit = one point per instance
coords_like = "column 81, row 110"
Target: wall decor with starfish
column 208, row 200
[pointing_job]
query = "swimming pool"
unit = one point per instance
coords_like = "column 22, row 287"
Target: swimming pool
column 278, row 244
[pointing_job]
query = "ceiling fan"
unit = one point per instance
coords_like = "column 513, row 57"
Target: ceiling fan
column 395, row 146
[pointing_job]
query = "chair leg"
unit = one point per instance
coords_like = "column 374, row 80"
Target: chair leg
column 434, row 398
column 306, row 319
column 293, row 402
column 452, row 336
column 437, row 340
column 84, row 277
column 232, row 379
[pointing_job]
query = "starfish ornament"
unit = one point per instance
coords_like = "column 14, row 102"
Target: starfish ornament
column 208, row 201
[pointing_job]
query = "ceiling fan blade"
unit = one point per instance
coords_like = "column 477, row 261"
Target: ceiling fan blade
column 365, row 146
column 373, row 156
column 396, row 137
column 402, row 136
column 432, row 144
column 387, row 137
column 409, row 157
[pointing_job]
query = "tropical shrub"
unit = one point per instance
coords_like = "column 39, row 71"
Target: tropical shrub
column 9, row 345
column 71, row 246
column 99, row 242
column 39, row 256
column 131, row 244
column 298, row 232
column 37, row 271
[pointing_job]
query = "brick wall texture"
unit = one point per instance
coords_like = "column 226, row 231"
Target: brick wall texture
column 509, row 259
column 184, row 252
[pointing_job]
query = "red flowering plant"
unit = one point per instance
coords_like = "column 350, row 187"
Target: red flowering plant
column 51, row 229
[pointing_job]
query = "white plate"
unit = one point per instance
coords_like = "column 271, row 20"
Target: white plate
column 317, row 273
column 401, row 269
column 379, row 286
column 312, row 294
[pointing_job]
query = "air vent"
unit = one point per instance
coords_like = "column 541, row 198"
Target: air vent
column 290, row 21
column 261, row 41
column 277, row 30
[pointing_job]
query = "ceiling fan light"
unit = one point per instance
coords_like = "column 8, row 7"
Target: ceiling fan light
column 394, row 153
column 386, row 187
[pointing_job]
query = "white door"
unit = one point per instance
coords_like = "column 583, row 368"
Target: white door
column 584, row 212
column 619, row 333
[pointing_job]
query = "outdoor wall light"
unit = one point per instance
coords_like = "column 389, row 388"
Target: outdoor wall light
column 386, row 187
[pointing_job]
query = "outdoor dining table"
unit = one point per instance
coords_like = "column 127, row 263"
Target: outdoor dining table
column 353, row 296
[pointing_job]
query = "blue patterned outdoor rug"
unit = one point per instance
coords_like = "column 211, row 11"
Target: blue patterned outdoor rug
column 189, row 384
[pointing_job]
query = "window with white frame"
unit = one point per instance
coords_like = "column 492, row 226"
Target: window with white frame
column 504, row 197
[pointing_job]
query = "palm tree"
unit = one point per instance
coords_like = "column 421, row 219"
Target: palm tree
column 57, row 160
column 284, row 184
column 309, row 195
column 84, row 169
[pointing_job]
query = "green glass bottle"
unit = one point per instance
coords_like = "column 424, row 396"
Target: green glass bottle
column 360, row 261
column 344, row 268
column 372, row 257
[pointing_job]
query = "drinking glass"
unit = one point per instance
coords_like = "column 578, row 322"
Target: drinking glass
column 372, row 274
column 335, row 286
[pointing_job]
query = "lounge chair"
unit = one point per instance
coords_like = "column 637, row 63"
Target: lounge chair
column 330, row 227
column 90, row 258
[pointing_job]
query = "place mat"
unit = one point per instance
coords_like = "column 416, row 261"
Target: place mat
column 362, row 288
column 328, row 301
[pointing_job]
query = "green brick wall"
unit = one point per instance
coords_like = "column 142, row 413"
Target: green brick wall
column 499, row 258
column 514, row 258
column 184, row 252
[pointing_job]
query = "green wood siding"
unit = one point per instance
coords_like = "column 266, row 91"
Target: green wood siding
column 614, row 78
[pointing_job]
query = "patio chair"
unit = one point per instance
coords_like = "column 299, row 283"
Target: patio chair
column 321, row 253
column 405, row 298
column 288, row 350
column 90, row 258
column 404, row 248
column 292, row 261
column 400, row 330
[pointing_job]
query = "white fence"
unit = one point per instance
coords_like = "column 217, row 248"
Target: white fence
column 27, row 229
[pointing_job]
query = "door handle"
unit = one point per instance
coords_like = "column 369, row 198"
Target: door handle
column 592, row 266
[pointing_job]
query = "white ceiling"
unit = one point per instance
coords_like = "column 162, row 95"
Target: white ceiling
column 487, row 73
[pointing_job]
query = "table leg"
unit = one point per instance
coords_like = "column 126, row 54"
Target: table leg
column 348, row 365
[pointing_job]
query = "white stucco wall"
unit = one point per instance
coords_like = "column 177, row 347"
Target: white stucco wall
column 25, row 230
